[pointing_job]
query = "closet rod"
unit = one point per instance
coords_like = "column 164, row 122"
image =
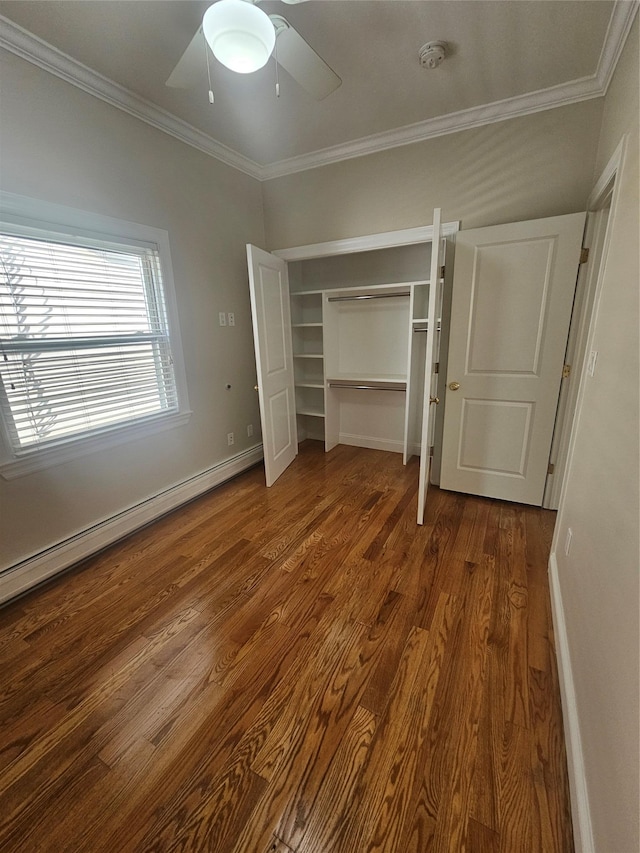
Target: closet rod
column 367, row 296
column 365, row 387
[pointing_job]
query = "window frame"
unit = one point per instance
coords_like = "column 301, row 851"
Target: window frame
column 24, row 214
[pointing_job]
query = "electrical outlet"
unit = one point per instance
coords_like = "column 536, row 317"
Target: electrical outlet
column 249, row 430
column 567, row 541
column 222, row 318
column 232, row 318
column 230, row 438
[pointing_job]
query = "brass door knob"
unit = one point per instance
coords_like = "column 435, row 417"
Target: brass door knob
column 435, row 400
column 453, row 386
column 255, row 387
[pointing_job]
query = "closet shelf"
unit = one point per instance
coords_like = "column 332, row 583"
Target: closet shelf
column 310, row 385
column 422, row 320
column 308, row 355
column 306, row 325
column 312, row 413
column 367, row 377
column 347, row 288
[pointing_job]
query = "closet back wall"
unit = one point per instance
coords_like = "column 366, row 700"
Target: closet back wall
column 64, row 146
column 524, row 168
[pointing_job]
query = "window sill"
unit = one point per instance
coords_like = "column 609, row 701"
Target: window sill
column 41, row 459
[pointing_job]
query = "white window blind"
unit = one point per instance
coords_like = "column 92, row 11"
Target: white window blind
column 84, row 338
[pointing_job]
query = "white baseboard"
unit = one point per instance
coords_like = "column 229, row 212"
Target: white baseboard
column 581, row 815
column 21, row 577
column 371, row 443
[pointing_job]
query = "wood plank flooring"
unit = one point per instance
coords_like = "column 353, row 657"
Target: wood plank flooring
column 298, row 669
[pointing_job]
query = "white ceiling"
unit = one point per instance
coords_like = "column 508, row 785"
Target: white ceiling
column 505, row 57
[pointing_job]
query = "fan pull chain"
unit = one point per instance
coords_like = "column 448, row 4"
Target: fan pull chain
column 276, row 58
column 206, row 53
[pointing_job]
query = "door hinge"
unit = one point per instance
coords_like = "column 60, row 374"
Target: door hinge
column 441, row 272
column 584, row 255
column 566, row 371
column 550, row 468
column 436, row 367
column 431, row 449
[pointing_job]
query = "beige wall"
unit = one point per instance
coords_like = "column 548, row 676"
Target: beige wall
column 539, row 165
column 599, row 579
column 62, row 145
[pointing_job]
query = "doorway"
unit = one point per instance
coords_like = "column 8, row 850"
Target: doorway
column 594, row 241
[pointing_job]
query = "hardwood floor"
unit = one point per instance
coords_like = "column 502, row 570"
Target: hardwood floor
column 293, row 669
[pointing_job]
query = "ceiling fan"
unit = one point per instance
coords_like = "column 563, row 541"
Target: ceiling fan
column 242, row 37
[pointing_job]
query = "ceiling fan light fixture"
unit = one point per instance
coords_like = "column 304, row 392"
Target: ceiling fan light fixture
column 240, row 35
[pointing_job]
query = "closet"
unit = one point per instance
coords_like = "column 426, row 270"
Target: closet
column 346, row 336
column 348, row 350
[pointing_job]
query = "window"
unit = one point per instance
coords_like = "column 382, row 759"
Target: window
column 85, row 343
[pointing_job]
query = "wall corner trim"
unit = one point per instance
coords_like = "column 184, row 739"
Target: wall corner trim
column 581, row 815
column 30, row 572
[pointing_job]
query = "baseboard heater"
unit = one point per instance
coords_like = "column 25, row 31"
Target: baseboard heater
column 21, row 577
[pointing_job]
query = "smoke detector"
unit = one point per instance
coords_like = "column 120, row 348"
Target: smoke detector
column 432, row 53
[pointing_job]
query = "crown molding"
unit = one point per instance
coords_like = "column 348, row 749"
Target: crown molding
column 622, row 17
column 583, row 89
column 24, row 44
column 521, row 105
column 33, row 49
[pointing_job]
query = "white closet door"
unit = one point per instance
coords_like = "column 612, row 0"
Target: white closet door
column 512, row 295
column 430, row 377
column 270, row 310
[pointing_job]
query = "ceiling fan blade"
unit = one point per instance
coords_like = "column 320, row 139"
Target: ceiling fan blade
column 297, row 57
column 190, row 67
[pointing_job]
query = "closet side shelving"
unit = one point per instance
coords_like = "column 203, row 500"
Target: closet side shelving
column 308, row 357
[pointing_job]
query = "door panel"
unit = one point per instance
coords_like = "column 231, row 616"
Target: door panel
column 280, row 407
column 495, row 436
column 512, row 297
column 430, row 376
column 269, row 289
column 495, row 301
column 273, row 319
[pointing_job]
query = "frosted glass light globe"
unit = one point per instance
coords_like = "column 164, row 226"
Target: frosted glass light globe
column 240, row 35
